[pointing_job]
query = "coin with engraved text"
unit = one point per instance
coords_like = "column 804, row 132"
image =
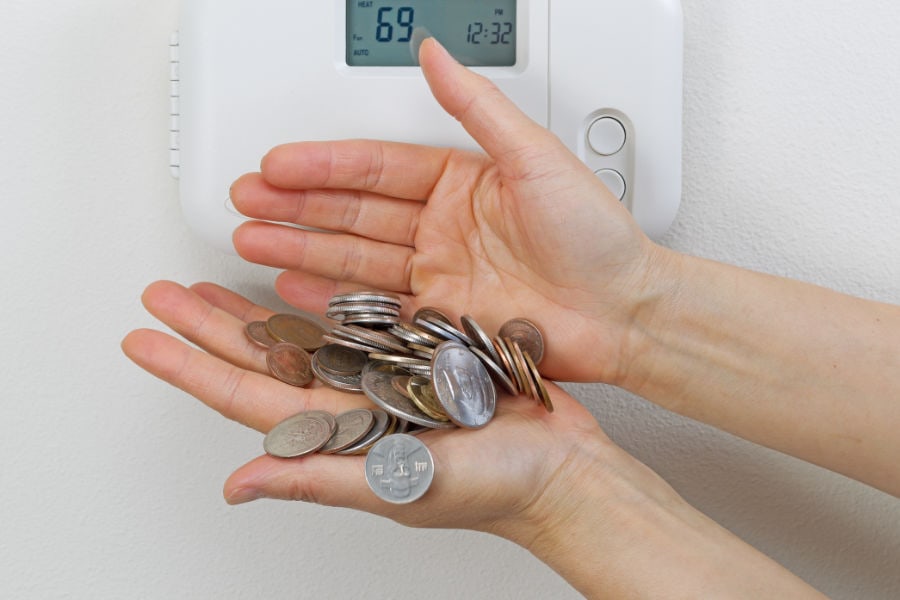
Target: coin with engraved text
column 399, row 468
column 463, row 386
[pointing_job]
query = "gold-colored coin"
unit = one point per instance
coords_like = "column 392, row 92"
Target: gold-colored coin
column 421, row 392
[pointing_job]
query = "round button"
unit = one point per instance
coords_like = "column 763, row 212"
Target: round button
column 606, row 136
column 614, row 181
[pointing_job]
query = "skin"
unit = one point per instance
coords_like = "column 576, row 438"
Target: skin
column 527, row 230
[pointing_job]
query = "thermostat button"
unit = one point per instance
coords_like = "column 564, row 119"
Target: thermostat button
column 606, row 136
column 614, row 181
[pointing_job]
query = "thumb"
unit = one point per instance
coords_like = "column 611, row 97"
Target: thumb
column 507, row 134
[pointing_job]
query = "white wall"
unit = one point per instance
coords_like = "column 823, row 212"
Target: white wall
column 110, row 481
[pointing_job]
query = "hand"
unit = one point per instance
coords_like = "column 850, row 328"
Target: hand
column 526, row 231
column 492, row 479
column 553, row 483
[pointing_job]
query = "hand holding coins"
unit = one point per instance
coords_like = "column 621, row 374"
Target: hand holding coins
column 424, row 374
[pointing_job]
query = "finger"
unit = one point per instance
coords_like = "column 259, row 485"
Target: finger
column 256, row 400
column 492, row 119
column 326, row 480
column 364, row 214
column 213, row 329
column 335, row 256
column 392, row 169
column 234, row 304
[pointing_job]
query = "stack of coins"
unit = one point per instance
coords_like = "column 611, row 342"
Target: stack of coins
column 289, row 339
column 423, row 374
column 393, row 362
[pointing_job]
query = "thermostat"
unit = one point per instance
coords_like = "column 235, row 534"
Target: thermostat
column 604, row 75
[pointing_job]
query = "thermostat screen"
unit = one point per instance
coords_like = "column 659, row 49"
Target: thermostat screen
column 479, row 33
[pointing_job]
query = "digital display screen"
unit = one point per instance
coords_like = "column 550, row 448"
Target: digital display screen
column 385, row 33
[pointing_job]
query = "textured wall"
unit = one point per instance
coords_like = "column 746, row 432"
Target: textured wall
column 111, row 481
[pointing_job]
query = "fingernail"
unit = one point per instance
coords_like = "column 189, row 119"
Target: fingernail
column 243, row 495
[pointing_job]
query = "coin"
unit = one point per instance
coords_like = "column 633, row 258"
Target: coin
column 527, row 335
column 430, row 311
column 340, row 360
column 382, row 425
column 290, row 364
column 542, row 392
column 413, row 334
column 296, row 330
column 350, row 427
column 399, row 468
column 463, row 386
column 377, row 386
column 352, row 384
column 365, row 296
column 496, row 371
column 421, row 392
column 519, row 362
column 381, row 339
column 482, row 339
column 259, row 334
column 507, row 361
column 300, row 434
column 400, row 383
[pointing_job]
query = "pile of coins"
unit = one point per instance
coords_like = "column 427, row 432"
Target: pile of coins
column 423, row 374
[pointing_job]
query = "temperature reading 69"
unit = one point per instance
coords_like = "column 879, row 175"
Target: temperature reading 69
column 404, row 22
column 490, row 33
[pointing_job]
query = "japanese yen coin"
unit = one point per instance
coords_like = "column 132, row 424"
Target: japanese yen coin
column 399, row 468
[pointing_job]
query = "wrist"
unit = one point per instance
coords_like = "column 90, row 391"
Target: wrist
column 613, row 528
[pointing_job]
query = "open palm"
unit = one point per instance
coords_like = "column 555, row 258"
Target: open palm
column 525, row 230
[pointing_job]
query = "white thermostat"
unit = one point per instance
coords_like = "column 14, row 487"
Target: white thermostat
column 604, row 75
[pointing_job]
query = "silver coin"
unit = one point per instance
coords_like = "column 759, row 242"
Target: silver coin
column 300, row 434
column 482, row 339
column 404, row 361
column 496, row 371
column 382, row 423
column 463, row 386
column 453, row 332
column 399, row 468
column 436, row 331
column 340, row 360
column 333, row 339
column 380, row 338
column 350, row 427
column 371, row 319
column 341, row 311
column 413, row 334
column 365, row 296
column 377, row 386
column 351, row 384
column 527, row 335
column 430, row 311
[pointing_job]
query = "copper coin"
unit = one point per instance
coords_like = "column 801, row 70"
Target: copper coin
column 297, row 330
column 290, row 364
column 527, row 335
column 259, row 334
